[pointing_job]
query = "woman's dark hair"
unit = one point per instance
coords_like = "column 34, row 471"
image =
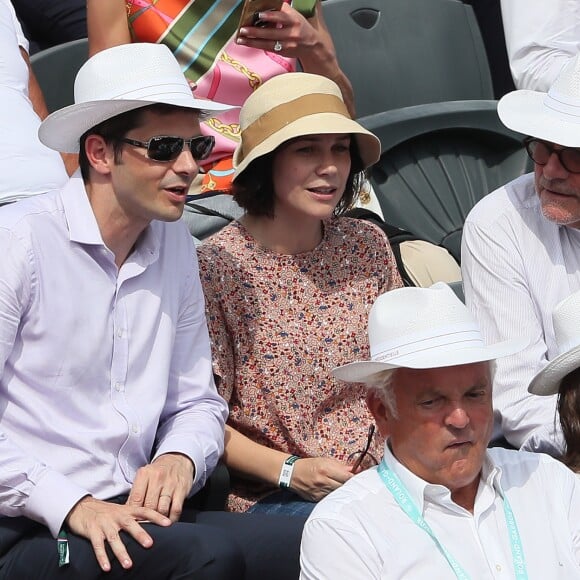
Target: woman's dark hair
column 114, row 129
column 253, row 190
column 569, row 411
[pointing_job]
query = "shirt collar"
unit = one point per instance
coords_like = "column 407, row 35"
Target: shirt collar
column 84, row 229
column 414, row 484
column 148, row 245
column 420, row 490
column 81, row 221
column 491, row 474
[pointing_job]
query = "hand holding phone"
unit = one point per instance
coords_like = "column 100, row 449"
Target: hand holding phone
column 252, row 9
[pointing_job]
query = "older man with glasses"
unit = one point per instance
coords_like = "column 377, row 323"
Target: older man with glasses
column 521, row 255
column 441, row 504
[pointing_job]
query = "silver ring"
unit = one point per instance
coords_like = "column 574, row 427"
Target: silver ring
column 278, row 46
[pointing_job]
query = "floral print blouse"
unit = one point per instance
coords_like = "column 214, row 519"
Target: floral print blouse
column 280, row 323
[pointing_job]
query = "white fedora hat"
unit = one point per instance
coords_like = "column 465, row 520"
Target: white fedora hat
column 553, row 116
column 421, row 328
column 566, row 318
column 295, row 105
column 117, row 80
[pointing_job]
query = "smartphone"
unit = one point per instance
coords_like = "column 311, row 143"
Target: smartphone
column 252, row 9
column 306, row 7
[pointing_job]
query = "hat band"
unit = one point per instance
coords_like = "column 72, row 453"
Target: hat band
column 286, row 113
column 558, row 103
column 466, row 335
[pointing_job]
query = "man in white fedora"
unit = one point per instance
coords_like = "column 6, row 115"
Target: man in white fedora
column 521, row 254
column 561, row 376
column 440, row 504
column 110, row 418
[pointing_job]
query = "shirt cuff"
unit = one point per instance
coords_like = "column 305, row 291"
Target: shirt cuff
column 545, row 439
column 191, row 450
column 51, row 500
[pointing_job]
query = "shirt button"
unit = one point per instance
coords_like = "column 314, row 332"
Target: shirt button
column 135, row 429
column 498, row 567
column 118, row 386
column 120, row 332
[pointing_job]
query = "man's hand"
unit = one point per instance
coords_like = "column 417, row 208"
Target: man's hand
column 315, row 477
column 163, row 485
column 100, row 522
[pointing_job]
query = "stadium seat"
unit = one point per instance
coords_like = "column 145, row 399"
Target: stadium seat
column 55, row 69
column 437, row 161
column 400, row 53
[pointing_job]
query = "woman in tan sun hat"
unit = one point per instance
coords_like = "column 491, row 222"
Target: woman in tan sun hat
column 288, row 290
column 224, row 65
column 561, row 376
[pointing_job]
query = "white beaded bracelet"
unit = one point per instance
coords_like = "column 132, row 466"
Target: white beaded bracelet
column 286, row 471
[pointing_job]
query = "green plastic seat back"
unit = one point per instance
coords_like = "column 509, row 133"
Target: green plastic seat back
column 399, row 53
column 438, row 161
column 55, row 69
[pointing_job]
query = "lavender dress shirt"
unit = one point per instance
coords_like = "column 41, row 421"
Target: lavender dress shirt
column 101, row 369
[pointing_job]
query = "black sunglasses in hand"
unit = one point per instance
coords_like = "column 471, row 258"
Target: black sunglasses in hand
column 358, row 457
column 165, row 148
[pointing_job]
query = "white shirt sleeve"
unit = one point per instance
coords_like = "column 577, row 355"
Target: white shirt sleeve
column 541, row 36
column 496, row 292
column 28, row 486
column 22, row 40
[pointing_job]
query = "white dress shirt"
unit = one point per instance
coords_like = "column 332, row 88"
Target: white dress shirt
column 360, row 532
column 27, row 167
column 541, row 36
column 101, row 369
column 517, row 266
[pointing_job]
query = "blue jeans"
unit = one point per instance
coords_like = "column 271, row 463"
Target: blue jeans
column 283, row 502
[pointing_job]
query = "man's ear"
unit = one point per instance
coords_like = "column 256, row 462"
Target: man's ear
column 99, row 154
column 380, row 413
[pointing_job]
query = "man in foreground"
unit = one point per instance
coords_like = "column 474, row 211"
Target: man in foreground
column 440, row 504
column 521, row 255
column 110, row 418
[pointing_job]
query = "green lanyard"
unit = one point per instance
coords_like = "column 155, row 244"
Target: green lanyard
column 402, row 497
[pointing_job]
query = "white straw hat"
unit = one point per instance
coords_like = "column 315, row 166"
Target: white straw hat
column 566, row 318
column 422, row 328
column 553, row 116
column 117, row 80
column 294, row 105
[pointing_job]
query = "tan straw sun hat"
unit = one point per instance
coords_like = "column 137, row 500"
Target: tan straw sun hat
column 566, row 318
column 421, row 328
column 553, row 116
column 115, row 81
column 295, row 105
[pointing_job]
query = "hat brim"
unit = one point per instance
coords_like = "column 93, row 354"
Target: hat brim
column 525, row 111
column 547, row 381
column 361, row 372
column 63, row 129
column 319, row 124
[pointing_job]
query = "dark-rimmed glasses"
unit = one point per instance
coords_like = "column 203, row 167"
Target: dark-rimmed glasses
column 359, row 456
column 540, row 152
column 166, row 148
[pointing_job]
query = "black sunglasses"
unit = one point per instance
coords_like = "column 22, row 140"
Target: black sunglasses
column 359, row 456
column 541, row 151
column 165, row 148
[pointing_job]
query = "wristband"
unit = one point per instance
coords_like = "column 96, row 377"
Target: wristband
column 286, row 471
